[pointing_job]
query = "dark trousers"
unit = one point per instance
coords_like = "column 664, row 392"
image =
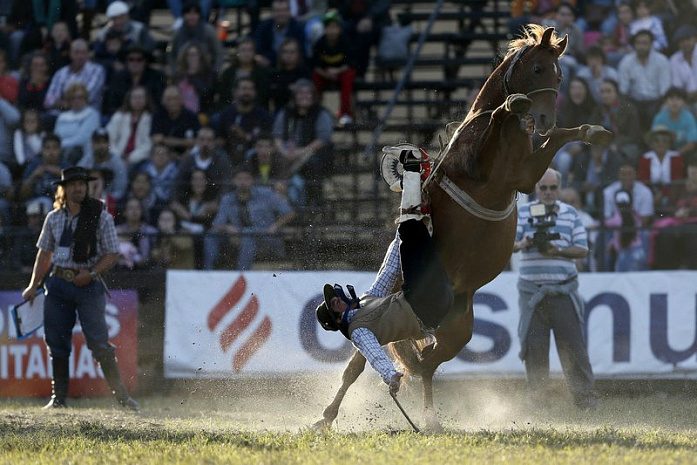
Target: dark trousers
column 64, row 302
column 556, row 313
column 426, row 286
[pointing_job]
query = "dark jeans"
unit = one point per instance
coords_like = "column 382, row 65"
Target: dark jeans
column 556, row 313
column 426, row 286
column 64, row 302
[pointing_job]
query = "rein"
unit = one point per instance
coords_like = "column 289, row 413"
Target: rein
column 458, row 195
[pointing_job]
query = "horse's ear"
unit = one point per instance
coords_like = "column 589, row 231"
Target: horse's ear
column 546, row 40
column 561, row 46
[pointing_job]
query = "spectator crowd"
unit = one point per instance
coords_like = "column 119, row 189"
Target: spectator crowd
column 206, row 148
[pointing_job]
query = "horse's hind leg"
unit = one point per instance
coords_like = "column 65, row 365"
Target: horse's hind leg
column 351, row 373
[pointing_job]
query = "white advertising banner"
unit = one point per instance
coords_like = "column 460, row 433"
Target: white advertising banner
column 229, row 324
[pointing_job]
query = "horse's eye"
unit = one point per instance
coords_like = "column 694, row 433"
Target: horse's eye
column 537, row 69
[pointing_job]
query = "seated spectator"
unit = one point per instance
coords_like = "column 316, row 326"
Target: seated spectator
column 619, row 44
column 674, row 238
column 289, row 69
column 9, row 87
column 645, row 21
column 9, row 119
column 676, row 117
column 644, row 77
column 97, row 188
column 137, row 72
column 57, row 47
column 626, row 250
column 272, row 32
column 333, row 64
column 194, row 78
column 163, row 173
column 194, row 29
column 104, row 159
column 140, row 187
column 572, row 197
column 302, row 134
column 270, row 168
column 621, row 117
column 207, row 157
column 591, row 171
column 642, row 197
column 133, row 32
column 683, row 63
column 564, row 23
column 195, row 208
column 173, row 125
column 240, row 123
column 23, row 253
column 34, row 83
column 110, row 55
column 136, row 237
column 27, row 138
column 129, row 128
column 76, row 125
column 363, row 23
column 80, row 69
column 244, row 64
column 41, row 174
column 173, row 249
column 596, row 71
column 660, row 167
column 248, row 219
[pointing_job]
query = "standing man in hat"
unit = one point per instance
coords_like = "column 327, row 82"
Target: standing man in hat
column 426, row 296
column 77, row 244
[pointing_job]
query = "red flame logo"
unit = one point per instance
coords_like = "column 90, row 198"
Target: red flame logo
column 242, row 321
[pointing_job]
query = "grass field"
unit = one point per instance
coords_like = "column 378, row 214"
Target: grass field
column 267, row 423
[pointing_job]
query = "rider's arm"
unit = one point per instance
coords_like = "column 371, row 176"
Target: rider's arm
column 369, row 346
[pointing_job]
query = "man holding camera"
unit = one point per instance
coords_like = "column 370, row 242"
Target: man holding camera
column 550, row 236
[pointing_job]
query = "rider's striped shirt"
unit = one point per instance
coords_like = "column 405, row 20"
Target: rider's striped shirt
column 539, row 269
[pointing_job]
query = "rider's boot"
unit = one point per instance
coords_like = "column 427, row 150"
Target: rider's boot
column 409, row 155
column 412, row 206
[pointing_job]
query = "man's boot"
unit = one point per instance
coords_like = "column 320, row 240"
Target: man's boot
column 60, row 383
column 113, row 379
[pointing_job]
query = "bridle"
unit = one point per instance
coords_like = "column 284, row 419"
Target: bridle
column 460, row 196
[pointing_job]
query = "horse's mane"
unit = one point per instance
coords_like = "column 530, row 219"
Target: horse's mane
column 532, row 36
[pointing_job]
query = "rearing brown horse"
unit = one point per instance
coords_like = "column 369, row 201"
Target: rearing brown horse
column 473, row 192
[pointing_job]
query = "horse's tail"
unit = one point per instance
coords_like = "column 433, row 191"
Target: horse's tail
column 407, row 353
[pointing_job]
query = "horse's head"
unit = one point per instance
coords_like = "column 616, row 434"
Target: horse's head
column 533, row 69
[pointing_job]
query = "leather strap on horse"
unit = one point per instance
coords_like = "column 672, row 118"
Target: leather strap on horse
column 470, row 205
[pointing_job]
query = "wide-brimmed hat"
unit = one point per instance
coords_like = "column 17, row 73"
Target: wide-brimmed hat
column 325, row 316
column 74, row 173
column 659, row 130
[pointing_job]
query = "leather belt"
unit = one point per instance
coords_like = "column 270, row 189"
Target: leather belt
column 67, row 274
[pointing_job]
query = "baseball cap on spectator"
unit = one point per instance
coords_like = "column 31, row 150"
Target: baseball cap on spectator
column 684, row 32
column 332, row 17
column 100, row 133
column 116, row 8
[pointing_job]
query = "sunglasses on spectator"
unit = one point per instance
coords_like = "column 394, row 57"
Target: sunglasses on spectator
column 551, row 187
column 136, row 59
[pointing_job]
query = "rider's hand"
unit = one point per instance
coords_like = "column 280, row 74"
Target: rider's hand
column 394, row 383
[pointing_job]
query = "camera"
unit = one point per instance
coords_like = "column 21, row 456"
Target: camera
column 543, row 217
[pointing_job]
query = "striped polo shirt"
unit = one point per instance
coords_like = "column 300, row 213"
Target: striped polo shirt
column 539, row 269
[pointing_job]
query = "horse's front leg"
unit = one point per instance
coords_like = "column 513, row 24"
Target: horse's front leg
column 351, row 373
column 558, row 137
column 452, row 335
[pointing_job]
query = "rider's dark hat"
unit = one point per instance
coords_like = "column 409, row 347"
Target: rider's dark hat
column 325, row 316
column 74, row 173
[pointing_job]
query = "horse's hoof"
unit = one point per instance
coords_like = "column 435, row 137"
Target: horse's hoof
column 518, row 104
column 321, row 426
column 598, row 135
column 431, row 423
